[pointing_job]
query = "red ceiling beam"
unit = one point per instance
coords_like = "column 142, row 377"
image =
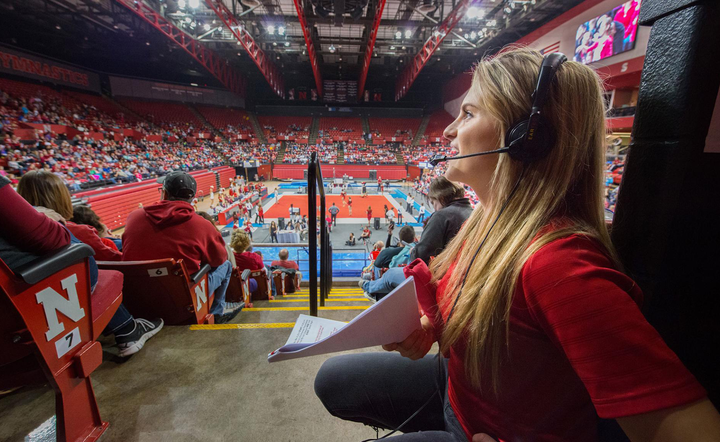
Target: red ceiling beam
column 307, row 33
column 269, row 70
column 410, row 74
column 216, row 65
column 370, row 46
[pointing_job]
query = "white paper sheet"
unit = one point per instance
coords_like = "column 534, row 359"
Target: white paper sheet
column 391, row 319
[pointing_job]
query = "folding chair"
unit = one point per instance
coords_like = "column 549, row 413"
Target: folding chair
column 163, row 288
column 39, row 345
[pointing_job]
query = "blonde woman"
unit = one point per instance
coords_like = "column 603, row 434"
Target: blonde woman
column 540, row 330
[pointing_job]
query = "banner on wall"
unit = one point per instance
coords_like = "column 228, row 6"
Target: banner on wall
column 31, row 66
column 339, row 91
column 154, row 90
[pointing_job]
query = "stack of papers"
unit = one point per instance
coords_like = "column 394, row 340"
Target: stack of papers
column 390, row 320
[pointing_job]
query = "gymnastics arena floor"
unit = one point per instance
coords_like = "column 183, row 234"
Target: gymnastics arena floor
column 359, row 206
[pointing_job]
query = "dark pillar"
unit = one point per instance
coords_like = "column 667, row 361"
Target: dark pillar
column 667, row 223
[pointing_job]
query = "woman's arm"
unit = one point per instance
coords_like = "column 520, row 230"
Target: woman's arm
column 697, row 422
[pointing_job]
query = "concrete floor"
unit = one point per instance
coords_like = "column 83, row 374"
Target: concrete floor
column 206, row 385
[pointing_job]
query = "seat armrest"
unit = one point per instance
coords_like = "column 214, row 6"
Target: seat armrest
column 245, row 274
column 35, row 271
column 196, row 277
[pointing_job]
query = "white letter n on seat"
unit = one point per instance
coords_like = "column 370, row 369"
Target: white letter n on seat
column 53, row 302
column 200, row 294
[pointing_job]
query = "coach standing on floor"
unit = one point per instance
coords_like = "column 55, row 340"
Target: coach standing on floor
column 334, row 210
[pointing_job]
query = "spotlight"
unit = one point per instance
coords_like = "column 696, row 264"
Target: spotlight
column 331, row 49
column 274, row 43
column 287, row 44
column 466, row 36
column 281, row 30
column 194, row 3
column 507, row 10
column 392, row 48
column 270, row 29
column 340, row 58
column 188, row 19
column 459, row 29
column 398, row 35
column 403, row 48
column 181, row 4
column 147, row 43
column 492, row 23
column 58, row 27
column 408, row 33
column 401, row 60
column 206, row 27
column 475, row 12
column 473, row 35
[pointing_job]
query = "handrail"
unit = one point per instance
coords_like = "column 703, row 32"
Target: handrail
column 315, row 183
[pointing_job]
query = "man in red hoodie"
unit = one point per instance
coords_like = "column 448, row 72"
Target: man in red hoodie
column 172, row 229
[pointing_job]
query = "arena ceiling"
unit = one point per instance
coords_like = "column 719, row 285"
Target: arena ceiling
column 107, row 35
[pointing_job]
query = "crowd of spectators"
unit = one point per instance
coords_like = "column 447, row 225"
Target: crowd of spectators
column 300, row 153
column 420, row 154
column 237, row 153
column 364, row 154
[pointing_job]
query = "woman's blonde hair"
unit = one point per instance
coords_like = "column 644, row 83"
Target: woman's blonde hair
column 240, row 241
column 567, row 183
column 45, row 189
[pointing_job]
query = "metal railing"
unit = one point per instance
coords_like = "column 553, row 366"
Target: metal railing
column 315, row 184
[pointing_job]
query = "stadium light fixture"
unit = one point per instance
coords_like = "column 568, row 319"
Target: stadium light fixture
column 398, row 35
column 271, row 29
column 392, row 48
column 206, row 27
column 281, row 30
column 181, row 4
column 408, row 33
column 492, row 23
column 403, row 48
column 332, row 49
column 274, row 43
column 473, row 35
column 188, row 19
column 194, row 3
column 287, row 44
column 475, row 12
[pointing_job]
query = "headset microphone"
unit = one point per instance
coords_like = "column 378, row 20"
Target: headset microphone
column 437, row 159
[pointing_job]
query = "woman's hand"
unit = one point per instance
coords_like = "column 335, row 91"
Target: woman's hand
column 418, row 344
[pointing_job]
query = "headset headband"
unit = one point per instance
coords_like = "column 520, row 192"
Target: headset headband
column 549, row 67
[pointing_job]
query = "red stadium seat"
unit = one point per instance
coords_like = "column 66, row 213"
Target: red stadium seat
column 264, row 291
column 163, row 288
column 39, row 345
column 238, row 289
column 284, row 283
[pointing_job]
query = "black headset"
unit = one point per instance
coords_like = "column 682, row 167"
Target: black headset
column 532, row 138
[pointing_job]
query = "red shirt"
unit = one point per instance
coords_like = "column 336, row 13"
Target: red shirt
column 286, row 264
column 172, row 229
column 578, row 343
column 89, row 236
column 248, row 261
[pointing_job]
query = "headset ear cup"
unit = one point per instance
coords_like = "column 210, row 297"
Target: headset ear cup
column 513, row 139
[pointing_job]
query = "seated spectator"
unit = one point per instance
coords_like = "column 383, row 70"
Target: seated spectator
column 85, row 215
column 45, row 189
column 366, row 234
column 377, row 248
column 246, row 260
column 351, row 240
column 285, row 264
column 172, row 229
column 25, row 235
column 452, row 209
column 391, row 258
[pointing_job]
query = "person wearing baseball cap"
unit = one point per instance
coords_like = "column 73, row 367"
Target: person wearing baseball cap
column 170, row 228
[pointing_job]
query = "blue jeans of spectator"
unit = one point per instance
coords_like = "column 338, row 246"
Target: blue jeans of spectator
column 391, row 279
column 119, row 320
column 218, row 280
column 385, row 389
